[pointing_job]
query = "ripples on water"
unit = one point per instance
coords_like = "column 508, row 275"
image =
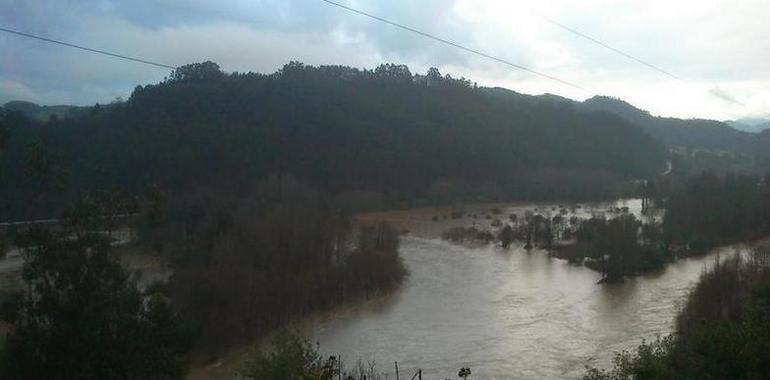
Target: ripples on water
column 506, row 313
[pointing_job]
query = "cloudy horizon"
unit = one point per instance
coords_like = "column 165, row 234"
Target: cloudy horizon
column 716, row 47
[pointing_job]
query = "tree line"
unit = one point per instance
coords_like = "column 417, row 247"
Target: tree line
column 710, row 210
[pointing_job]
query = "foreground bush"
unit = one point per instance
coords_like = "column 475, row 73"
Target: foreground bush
column 290, row 357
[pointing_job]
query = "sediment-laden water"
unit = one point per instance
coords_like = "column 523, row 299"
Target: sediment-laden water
column 506, row 313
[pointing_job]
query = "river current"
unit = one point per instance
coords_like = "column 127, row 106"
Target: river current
column 506, row 314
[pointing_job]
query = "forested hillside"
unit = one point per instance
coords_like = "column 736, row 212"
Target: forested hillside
column 384, row 130
column 690, row 133
column 693, row 134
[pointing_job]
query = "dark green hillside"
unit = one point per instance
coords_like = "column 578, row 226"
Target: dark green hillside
column 385, row 130
column 691, row 133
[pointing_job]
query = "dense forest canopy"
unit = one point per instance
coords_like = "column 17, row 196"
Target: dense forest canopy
column 385, row 130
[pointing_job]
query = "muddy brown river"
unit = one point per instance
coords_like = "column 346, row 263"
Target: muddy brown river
column 506, row 314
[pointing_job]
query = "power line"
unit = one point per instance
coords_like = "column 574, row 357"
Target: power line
column 103, row 52
column 607, row 46
column 639, row 60
column 453, row 44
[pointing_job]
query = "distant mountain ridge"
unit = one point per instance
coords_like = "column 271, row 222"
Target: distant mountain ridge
column 754, row 125
column 42, row 113
column 673, row 132
column 698, row 134
column 733, row 136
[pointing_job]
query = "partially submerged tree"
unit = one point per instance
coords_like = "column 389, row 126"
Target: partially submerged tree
column 506, row 236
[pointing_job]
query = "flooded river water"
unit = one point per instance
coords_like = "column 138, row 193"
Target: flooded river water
column 506, row 314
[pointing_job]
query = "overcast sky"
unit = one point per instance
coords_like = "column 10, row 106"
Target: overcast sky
column 720, row 49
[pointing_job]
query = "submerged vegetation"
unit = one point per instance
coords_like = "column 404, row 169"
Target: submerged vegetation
column 617, row 247
column 703, row 212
